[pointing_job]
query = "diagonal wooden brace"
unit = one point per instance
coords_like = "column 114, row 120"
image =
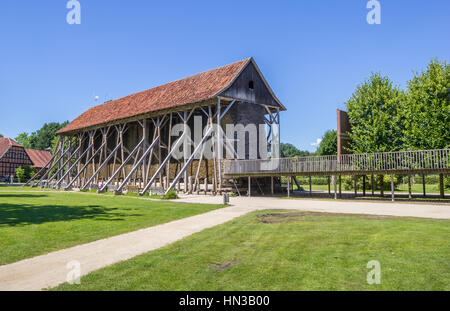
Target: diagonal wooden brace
column 101, row 167
column 73, row 165
column 138, row 163
column 130, row 156
column 191, row 158
column 163, row 164
column 84, row 167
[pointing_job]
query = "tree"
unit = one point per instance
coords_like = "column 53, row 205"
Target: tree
column 1, row 136
column 426, row 110
column 373, row 111
column 23, row 173
column 328, row 145
column 289, row 151
column 23, row 139
column 42, row 139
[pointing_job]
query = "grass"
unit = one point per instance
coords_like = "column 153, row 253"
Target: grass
column 37, row 222
column 402, row 188
column 282, row 250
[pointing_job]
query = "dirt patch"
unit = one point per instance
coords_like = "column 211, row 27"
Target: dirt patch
column 222, row 266
column 270, row 218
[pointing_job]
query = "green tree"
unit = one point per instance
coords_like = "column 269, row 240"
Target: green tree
column 289, row 151
column 1, row 136
column 23, row 139
column 426, row 110
column 373, row 111
column 23, row 173
column 43, row 138
column 328, row 145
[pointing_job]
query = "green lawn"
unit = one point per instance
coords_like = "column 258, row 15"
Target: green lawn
column 403, row 188
column 281, row 250
column 37, row 222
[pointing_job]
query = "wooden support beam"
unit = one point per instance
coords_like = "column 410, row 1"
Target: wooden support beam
column 381, row 180
column 100, row 167
column 441, row 186
column 138, row 163
column 46, row 165
column 271, row 185
column 423, row 185
column 392, row 187
column 372, row 184
column 335, row 186
column 163, row 164
column 122, row 165
column 83, row 169
column 249, row 192
column 329, row 185
column 310, row 186
column 60, row 170
column 189, row 161
column 409, row 186
column 77, row 161
column 55, row 163
column 364, row 185
column 288, row 186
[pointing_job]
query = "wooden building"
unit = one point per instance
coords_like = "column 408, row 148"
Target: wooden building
column 14, row 155
column 128, row 143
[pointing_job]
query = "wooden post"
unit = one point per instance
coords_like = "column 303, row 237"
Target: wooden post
column 169, row 147
column 340, row 186
column 289, row 186
column 441, row 186
column 392, row 187
column 219, row 148
column 364, row 185
column 409, row 186
column 373, row 185
column 329, row 185
column 206, row 185
column 271, row 185
column 335, row 187
column 249, row 186
column 423, row 185
column 190, row 184
column 310, row 186
column 381, row 185
column 356, row 190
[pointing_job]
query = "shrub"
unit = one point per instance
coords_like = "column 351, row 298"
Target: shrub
column 447, row 182
column 171, row 195
column 348, row 182
column 23, row 173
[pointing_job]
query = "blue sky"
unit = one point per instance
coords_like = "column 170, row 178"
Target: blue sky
column 313, row 53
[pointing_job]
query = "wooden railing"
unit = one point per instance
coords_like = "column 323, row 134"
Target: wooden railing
column 403, row 161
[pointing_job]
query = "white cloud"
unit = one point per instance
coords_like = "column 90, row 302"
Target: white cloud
column 317, row 142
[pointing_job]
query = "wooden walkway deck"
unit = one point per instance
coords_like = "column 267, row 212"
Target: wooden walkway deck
column 402, row 162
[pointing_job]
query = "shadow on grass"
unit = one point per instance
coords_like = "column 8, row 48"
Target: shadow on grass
column 27, row 214
column 22, row 195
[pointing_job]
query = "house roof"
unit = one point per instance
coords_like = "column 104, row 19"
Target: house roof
column 39, row 157
column 193, row 89
column 5, row 144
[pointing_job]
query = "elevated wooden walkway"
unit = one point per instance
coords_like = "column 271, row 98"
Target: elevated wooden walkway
column 402, row 162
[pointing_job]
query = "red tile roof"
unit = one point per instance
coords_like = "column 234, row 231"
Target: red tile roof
column 5, row 144
column 39, row 157
column 189, row 90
